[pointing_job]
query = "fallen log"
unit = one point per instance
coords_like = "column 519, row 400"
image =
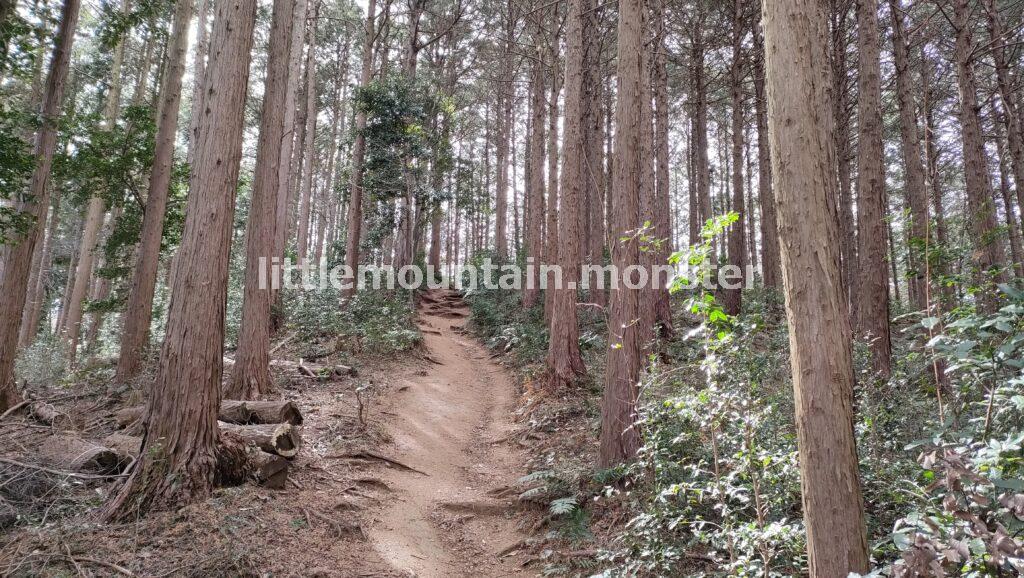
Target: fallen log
column 315, row 369
column 281, row 438
column 268, row 470
column 126, row 446
column 78, row 455
column 233, row 411
column 259, row 412
column 50, row 415
column 129, row 415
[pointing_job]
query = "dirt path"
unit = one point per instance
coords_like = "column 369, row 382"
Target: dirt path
column 454, row 517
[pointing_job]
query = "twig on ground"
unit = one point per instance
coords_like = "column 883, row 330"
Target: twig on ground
column 60, row 472
column 368, row 455
column 15, row 408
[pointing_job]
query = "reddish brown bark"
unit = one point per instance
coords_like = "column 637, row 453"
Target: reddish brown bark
column 179, row 456
column 564, row 362
column 770, row 265
column 251, row 375
column 872, row 234
column 619, row 437
column 803, row 164
column 535, row 223
column 988, row 250
column 733, row 297
column 914, row 181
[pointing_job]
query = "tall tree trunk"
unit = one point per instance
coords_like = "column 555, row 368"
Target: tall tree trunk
column 198, row 72
column 873, row 277
column 988, row 251
column 802, row 147
column 1009, row 213
column 355, row 210
column 770, row 264
column 733, row 297
column 1011, row 106
column 35, row 203
column 931, row 155
column 619, row 438
column 916, row 193
column 309, row 146
column 37, row 296
column 842, row 113
column 564, row 362
column 251, row 375
column 702, row 171
column 662, row 203
column 552, row 240
column 501, row 194
column 288, row 149
column 595, row 170
column 138, row 313
column 94, row 213
column 178, row 457
column 535, row 223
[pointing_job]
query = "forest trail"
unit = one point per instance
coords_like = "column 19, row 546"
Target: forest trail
column 455, row 515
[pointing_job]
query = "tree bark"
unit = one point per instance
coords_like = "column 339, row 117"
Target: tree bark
column 179, row 455
column 873, row 276
column 282, row 208
column 38, row 282
column 931, row 153
column 139, row 311
column 309, row 146
column 551, row 238
column 1011, row 107
column 662, row 203
column 13, row 287
column 564, row 362
column 802, row 147
column 732, row 301
column 535, row 223
column 770, row 265
column 988, row 251
column 702, row 171
column 619, row 438
column 251, row 376
column 1009, row 213
column 914, row 180
column 842, row 114
column 355, row 209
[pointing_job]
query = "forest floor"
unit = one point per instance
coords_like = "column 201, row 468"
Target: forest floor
column 409, row 469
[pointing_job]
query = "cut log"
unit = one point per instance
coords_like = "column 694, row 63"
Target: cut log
column 233, row 411
column 50, row 415
column 259, row 412
column 129, row 415
column 268, row 470
column 126, row 446
column 282, row 439
column 78, row 455
column 250, row 412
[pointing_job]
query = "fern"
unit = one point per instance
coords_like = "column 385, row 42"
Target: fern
column 533, row 492
column 563, row 506
column 537, row 476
